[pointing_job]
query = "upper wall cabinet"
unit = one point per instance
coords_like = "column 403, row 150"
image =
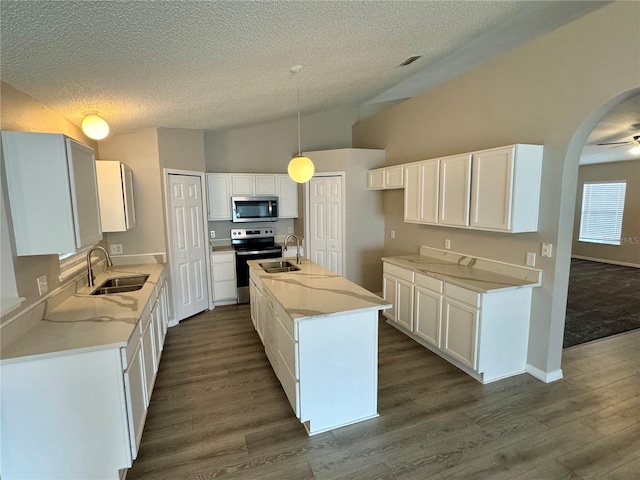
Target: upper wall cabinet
column 386, row 178
column 53, row 193
column 253, row 184
column 115, row 191
column 218, row 196
column 496, row 189
column 222, row 186
column 505, row 189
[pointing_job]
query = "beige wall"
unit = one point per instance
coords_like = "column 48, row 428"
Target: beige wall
column 20, row 112
column 181, row 148
column 268, row 147
column 629, row 250
column 551, row 91
column 140, row 152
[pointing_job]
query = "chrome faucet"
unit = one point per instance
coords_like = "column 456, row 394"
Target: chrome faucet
column 90, row 268
column 286, row 240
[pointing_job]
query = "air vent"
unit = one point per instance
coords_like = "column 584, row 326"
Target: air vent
column 410, row 60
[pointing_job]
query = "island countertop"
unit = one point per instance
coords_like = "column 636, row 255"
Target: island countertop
column 476, row 274
column 84, row 321
column 314, row 291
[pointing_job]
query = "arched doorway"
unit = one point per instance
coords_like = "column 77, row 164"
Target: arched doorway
column 566, row 219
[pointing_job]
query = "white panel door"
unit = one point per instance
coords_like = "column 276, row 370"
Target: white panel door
column 188, row 249
column 325, row 210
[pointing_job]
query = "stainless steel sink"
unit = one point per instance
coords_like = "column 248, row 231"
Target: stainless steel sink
column 281, row 266
column 121, row 285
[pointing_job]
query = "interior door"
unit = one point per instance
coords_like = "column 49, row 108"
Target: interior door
column 188, row 249
column 325, row 223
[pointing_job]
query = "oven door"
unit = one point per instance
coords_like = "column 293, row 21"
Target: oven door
column 242, row 269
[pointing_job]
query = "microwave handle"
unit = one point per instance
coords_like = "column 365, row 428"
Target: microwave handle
column 270, row 209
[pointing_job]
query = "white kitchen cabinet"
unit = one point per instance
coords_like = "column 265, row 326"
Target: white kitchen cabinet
column 218, row 196
column 421, row 182
column 484, row 334
column 87, row 407
column 53, row 193
column 505, row 191
column 287, row 192
column 398, row 290
column 253, row 184
column 223, row 268
column 460, row 331
column 115, row 192
column 427, row 309
column 257, row 305
column 386, row 178
column 455, row 190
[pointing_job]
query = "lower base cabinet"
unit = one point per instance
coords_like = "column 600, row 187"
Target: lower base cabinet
column 484, row 334
column 80, row 415
column 327, row 365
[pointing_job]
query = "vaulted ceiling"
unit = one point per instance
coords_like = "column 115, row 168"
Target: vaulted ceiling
column 219, row 64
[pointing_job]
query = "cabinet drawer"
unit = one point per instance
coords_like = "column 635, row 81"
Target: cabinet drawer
column 428, row 282
column 463, row 295
column 132, row 345
column 286, row 320
column 399, row 272
column 288, row 349
column 290, row 386
column 225, row 257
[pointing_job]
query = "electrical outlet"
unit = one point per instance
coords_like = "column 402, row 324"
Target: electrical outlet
column 546, row 250
column 447, row 244
column 393, row 234
column 531, row 259
column 290, row 230
column 116, row 248
column 43, row 286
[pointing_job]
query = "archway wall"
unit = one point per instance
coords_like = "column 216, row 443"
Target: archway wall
column 551, row 91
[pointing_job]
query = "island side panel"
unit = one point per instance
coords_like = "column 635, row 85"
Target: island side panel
column 338, row 358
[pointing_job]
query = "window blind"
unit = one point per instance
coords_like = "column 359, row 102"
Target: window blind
column 602, row 210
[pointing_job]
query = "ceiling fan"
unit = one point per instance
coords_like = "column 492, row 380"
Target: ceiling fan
column 635, row 142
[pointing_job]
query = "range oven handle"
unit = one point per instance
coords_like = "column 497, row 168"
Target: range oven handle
column 257, row 252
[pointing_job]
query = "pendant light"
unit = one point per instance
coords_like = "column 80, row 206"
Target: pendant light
column 300, row 167
column 94, row 126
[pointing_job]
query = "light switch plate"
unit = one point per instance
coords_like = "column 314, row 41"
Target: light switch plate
column 447, row 244
column 547, row 249
column 531, row 259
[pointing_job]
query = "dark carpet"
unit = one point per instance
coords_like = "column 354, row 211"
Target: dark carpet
column 603, row 300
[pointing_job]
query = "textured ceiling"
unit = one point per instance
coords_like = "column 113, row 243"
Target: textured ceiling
column 218, row 64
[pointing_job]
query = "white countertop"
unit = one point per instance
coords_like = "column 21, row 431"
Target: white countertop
column 314, row 291
column 478, row 275
column 88, row 322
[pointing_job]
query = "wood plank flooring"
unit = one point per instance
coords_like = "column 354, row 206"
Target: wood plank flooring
column 218, row 411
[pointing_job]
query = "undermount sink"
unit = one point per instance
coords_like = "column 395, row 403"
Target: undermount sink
column 121, row 285
column 281, row 266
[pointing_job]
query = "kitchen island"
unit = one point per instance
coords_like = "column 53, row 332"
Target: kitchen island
column 320, row 333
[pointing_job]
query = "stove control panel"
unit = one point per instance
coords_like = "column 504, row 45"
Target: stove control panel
column 248, row 233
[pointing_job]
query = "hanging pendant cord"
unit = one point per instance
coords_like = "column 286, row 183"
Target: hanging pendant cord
column 298, row 82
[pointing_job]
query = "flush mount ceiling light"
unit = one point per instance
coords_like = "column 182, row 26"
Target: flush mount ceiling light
column 94, row 126
column 300, row 167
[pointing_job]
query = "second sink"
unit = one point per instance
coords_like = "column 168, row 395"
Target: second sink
column 279, row 267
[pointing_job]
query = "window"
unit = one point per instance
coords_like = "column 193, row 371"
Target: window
column 72, row 263
column 602, row 210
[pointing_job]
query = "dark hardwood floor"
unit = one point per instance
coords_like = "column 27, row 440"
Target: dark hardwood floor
column 218, row 411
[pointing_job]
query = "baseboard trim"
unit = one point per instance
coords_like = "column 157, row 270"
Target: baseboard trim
column 602, row 260
column 544, row 376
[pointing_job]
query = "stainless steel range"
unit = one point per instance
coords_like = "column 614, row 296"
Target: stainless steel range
column 251, row 244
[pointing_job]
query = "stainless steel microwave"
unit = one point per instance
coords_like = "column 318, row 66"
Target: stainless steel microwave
column 255, row 209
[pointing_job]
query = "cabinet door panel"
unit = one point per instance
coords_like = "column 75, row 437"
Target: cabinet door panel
column 460, row 332
column 428, row 306
column 287, row 197
column 412, row 192
column 242, row 184
column 429, row 191
column 455, row 188
column 148, row 357
column 375, row 179
column 218, row 196
column 135, row 392
column 492, row 189
column 389, row 294
column 394, row 177
column 265, row 185
column 404, row 306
